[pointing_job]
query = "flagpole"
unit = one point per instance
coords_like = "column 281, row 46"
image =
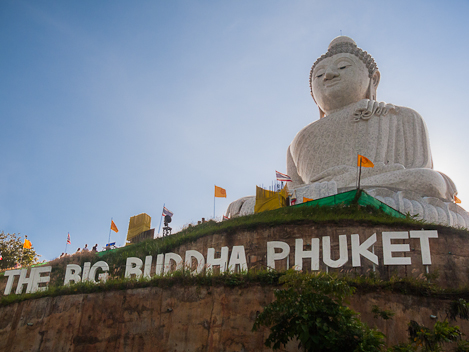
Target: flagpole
column 356, row 182
column 161, row 218
column 22, row 252
column 214, row 203
column 359, row 174
column 109, row 241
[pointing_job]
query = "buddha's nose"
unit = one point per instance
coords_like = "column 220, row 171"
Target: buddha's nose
column 330, row 73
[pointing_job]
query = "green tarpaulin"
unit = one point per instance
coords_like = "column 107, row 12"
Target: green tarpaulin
column 347, row 198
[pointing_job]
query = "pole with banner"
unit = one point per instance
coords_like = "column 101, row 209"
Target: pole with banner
column 161, row 218
column 27, row 244
column 219, row 193
column 163, row 214
column 363, row 161
column 113, row 228
column 68, row 242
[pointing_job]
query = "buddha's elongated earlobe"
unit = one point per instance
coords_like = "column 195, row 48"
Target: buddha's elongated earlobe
column 373, row 87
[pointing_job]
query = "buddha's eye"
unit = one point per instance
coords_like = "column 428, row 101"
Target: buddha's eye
column 320, row 75
column 342, row 65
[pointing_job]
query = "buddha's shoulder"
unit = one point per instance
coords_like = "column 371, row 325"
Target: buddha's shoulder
column 405, row 111
column 406, row 115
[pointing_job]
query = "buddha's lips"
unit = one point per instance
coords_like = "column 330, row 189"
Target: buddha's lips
column 332, row 82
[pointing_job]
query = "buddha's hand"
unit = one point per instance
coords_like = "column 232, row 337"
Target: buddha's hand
column 367, row 108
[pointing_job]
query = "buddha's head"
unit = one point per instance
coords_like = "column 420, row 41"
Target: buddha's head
column 344, row 75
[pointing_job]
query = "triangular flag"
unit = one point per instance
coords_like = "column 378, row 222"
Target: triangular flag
column 113, row 226
column 220, row 192
column 27, row 244
column 307, row 199
column 68, row 239
column 457, row 200
column 365, row 162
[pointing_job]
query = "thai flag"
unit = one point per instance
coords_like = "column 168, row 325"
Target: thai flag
column 282, row 177
column 167, row 212
column 68, row 239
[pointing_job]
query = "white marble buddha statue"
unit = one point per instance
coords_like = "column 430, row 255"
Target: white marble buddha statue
column 322, row 159
column 343, row 84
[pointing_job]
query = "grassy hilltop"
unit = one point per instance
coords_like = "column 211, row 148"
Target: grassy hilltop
column 321, row 216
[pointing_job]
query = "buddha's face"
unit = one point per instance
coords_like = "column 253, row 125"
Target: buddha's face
column 338, row 81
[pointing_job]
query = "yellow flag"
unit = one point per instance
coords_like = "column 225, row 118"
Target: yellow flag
column 307, row 199
column 27, row 244
column 457, row 200
column 114, row 227
column 270, row 200
column 364, row 161
column 220, row 192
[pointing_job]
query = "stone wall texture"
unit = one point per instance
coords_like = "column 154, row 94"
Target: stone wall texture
column 178, row 319
column 202, row 318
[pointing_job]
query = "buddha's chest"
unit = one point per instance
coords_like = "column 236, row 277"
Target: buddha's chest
column 334, row 140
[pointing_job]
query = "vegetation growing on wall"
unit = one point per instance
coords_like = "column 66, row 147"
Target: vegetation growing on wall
column 311, row 310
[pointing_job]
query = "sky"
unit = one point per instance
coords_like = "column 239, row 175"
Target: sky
column 109, row 109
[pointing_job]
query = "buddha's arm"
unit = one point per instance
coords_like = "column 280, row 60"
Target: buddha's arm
column 411, row 141
column 292, row 170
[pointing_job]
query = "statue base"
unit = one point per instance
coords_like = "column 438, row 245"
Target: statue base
column 428, row 209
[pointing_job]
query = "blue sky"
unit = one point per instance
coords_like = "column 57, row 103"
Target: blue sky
column 114, row 108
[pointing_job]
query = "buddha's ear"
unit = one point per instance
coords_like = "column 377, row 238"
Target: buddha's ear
column 374, row 82
column 375, row 79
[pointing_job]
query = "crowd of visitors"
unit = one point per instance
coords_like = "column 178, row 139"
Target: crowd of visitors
column 85, row 249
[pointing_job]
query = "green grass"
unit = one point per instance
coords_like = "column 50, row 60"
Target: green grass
column 284, row 216
column 180, row 278
column 363, row 284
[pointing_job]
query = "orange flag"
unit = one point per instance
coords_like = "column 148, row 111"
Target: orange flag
column 220, row 192
column 457, row 200
column 365, row 161
column 114, row 227
column 27, row 244
column 307, row 199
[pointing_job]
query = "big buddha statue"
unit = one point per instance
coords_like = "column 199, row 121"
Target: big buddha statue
column 322, row 158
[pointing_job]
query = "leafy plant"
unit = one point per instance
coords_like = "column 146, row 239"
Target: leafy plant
column 382, row 313
column 432, row 339
column 12, row 251
column 310, row 308
column 458, row 309
column 463, row 346
column 402, row 347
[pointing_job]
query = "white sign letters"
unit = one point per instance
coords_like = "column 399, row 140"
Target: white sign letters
column 235, row 261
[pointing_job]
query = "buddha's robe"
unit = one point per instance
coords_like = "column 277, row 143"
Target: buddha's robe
column 397, row 144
